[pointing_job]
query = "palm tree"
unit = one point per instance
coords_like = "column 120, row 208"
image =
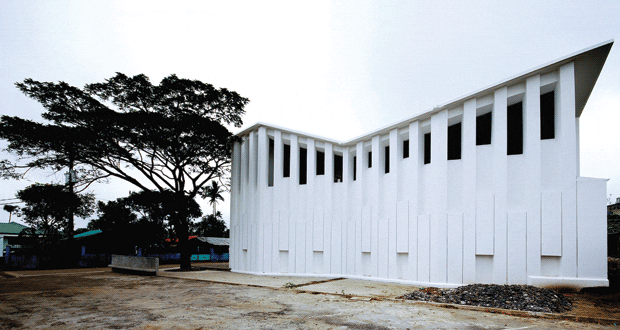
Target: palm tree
column 10, row 208
column 213, row 193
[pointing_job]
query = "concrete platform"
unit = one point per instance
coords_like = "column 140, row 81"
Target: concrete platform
column 329, row 285
column 242, row 279
column 360, row 288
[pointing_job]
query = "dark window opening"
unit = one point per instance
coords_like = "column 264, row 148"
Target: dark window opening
column 303, row 165
column 320, row 163
column 454, row 141
column 387, row 159
column 286, row 161
column 354, row 168
column 271, row 152
column 483, row 129
column 406, row 149
column 369, row 159
column 514, row 129
column 337, row 168
column 547, row 116
column 427, row 148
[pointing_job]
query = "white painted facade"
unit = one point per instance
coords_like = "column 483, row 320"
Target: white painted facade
column 484, row 217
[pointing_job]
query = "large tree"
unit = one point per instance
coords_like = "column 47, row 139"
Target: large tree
column 166, row 137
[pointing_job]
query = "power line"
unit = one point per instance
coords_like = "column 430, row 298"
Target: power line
column 11, row 203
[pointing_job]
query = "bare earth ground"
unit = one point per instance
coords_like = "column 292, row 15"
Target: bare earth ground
column 100, row 299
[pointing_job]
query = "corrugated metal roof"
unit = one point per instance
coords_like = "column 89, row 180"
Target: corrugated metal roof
column 88, row 233
column 223, row 241
column 11, row 228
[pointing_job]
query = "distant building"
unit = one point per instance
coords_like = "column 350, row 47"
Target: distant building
column 9, row 235
column 483, row 189
column 614, row 209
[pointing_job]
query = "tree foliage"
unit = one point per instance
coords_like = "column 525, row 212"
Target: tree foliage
column 11, row 209
column 48, row 206
column 213, row 193
column 166, row 137
column 211, row 226
column 145, row 218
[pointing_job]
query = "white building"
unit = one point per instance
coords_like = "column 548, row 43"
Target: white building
column 483, row 189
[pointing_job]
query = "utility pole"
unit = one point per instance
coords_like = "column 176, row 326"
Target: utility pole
column 73, row 254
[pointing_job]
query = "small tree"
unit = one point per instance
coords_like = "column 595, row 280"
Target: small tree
column 211, row 226
column 10, row 208
column 213, row 194
column 48, row 207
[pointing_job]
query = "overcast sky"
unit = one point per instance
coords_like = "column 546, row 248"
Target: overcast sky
column 332, row 68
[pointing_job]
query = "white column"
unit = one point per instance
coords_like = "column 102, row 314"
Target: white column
column 345, row 216
column 500, row 182
column 327, row 198
column 234, row 201
column 263, row 166
column 359, row 198
column 532, row 152
column 469, row 157
column 311, row 189
column 413, row 190
column 374, row 193
column 254, row 209
column 246, row 204
column 391, row 190
column 279, row 201
column 292, row 214
column 439, row 201
column 567, row 124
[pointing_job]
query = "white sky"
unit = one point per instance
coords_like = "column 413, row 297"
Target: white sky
column 332, row 68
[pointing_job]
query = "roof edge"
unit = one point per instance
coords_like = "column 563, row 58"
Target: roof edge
column 585, row 88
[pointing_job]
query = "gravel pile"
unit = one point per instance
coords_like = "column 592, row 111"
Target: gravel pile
column 519, row 297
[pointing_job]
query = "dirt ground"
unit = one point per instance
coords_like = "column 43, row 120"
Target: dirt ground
column 100, row 299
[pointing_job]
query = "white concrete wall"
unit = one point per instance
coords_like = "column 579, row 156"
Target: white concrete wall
column 488, row 217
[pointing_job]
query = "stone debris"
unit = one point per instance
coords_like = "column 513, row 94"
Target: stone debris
column 518, row 297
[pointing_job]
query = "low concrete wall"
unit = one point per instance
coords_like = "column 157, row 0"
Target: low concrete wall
column 148, row 265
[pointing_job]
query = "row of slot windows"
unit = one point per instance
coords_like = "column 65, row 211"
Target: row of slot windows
column 514, row 140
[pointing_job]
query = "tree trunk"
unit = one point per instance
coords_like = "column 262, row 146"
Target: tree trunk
column 182, row 235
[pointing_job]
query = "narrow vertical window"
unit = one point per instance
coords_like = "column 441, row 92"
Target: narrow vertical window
column 286, row 161
column 271, row 163
column 406, row 149
column 320, row 163
column 303, row 165
column 547, row 116
column 387, row 159
column 514, row 129
column 454, row 142
column 483, row 129
column 337, row 168
column 369, row 159
column 427, row 148
column 354, row 168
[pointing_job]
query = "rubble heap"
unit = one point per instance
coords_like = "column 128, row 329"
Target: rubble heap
column 518, row 297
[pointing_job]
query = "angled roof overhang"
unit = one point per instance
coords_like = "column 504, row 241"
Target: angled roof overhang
column 588, row 64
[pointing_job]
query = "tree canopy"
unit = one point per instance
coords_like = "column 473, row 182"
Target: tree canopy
column 143, row 218
column 213, row 193
column 211, row 226
column 172, row 135
column 48, row 206
column 166, row 137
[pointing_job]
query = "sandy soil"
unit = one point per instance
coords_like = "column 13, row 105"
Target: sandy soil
column 99, row 299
